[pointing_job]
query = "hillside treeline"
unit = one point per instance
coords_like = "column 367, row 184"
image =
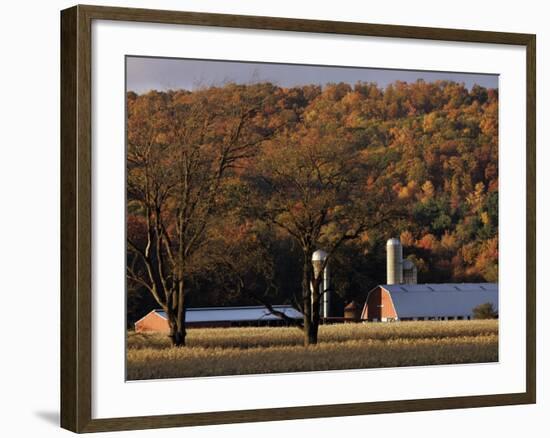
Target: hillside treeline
column 231, row 188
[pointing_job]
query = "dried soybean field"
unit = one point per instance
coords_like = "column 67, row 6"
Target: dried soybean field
column 259, row 350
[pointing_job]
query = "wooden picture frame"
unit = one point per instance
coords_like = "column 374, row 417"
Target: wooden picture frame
column 76, row 218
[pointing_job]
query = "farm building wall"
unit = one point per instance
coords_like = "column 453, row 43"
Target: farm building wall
column 247, row 316
column 152, row 322
column 379, row 306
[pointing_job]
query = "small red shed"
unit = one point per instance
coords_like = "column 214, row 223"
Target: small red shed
column 154, row 321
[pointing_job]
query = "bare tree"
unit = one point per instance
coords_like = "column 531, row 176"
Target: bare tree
column 181, row 147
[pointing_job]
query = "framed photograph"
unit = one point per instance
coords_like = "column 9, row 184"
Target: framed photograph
column 343, row 208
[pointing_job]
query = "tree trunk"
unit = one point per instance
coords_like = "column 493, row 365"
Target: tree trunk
column 177, row 332
column 315, row 310
column 176, row 318
column 306, row 296
column 310, row 302
column 312, row 334
column 177, row 336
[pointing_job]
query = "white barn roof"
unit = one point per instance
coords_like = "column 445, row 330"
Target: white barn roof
column 245, row 313
column 440, row 300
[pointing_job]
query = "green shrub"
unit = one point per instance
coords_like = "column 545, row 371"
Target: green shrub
column 485, row 311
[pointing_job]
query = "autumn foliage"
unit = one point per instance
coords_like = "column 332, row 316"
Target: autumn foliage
column 341, row 167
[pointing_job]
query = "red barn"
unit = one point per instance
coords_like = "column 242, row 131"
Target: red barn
column 402, row 302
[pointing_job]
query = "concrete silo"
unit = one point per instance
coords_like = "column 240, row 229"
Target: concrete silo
column 409, row 272
column 394, row 251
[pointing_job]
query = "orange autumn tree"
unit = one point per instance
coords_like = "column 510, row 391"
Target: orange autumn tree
column 312, row 184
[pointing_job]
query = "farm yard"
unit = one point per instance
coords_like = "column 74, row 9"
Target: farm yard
column 311, row 196
column 259, row 350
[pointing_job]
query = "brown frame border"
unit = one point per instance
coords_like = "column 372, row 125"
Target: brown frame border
column 76, row 172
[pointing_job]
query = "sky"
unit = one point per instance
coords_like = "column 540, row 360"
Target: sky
column 150, row 73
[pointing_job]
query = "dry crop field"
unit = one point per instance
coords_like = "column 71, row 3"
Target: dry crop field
column 258, row 350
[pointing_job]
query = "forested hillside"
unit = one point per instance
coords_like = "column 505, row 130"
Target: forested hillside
column 231, row 188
